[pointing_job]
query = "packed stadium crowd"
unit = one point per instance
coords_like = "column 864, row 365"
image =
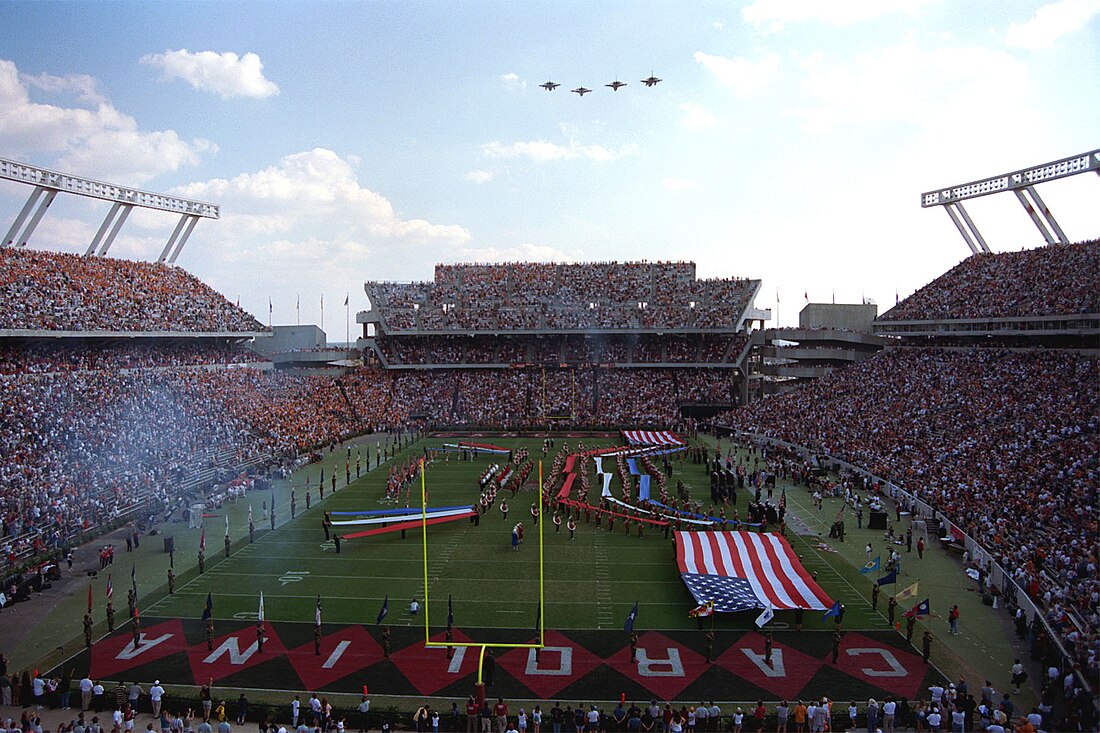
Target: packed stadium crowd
column 51, row 291
column 530, row 296
column 100, row 354
column 562, row 349
column 80, row 447
column 1058, row 279
column 1004, row 443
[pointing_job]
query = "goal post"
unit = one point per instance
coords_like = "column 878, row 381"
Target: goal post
column 427, row 596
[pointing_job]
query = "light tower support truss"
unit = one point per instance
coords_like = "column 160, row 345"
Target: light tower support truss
column 1022, row 183
column 47, row 184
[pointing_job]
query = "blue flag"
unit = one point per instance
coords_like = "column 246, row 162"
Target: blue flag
column 889, row 579
column 209, row 610
column 450, row 613
column 923, row 608
column 834, row 611
column 871, row 567
column 385, row 610
column 133, row 578
column 629, row 625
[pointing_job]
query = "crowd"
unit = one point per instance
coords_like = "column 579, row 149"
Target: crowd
column 561, row 349
column 1058, row 279
column 78, row 449
column 53, row 291
column 541, row 296
column 1004, row 443
column 78, row 355
column 96, row 709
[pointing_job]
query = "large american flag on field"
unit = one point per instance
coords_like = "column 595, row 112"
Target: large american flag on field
column 741, row 571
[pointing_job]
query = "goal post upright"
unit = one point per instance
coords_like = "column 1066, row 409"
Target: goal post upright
column 428, row 643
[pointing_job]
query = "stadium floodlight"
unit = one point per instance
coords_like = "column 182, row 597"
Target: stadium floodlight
column 1022, row 183
column 47, row 184
column 480, row 688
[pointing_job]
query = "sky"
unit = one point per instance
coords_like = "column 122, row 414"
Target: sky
column 788, row 141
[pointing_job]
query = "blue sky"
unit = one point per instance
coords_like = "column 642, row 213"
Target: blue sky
column 789, row 140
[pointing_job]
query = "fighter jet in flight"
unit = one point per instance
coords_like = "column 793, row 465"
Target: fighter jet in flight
column 581, row 91
column 651, row 81
column 550, row 86
column 616, row 85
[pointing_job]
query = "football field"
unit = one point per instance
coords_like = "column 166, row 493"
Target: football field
column 590, row 582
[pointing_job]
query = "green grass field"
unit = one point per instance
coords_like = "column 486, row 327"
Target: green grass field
column 590, row 582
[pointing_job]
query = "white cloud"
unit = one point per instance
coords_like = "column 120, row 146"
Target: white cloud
column 94, row 140
column 314, row 191
column 526, row 252
column 543, row 151
column 678, row 184
column 225, row 74
column 479, row 175
column 511, row 80
column 696, row 117
column 773, row 15
column 84, row 85
column 1051, row 22
column 717, row 25
column 741, row 75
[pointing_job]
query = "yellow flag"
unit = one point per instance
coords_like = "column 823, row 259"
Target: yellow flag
column 907, row 594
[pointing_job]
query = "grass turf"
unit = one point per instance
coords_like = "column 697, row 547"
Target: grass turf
column 591, row 582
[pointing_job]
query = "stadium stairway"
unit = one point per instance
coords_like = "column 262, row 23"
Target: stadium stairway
column 347, row 400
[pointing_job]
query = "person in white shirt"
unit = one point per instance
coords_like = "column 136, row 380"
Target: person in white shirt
column 958, row 720
column 1018, row 676
column 738, row 720
column 295, row 708
column 156, row 692
column 86, row 685
column 937, row 695
column 39, row 687
column 889, row 710
column 821, row 715
column 934, row 720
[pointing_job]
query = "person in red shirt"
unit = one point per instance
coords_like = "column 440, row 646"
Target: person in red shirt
column 472, row 711
column 500, row 710
column 759, row 714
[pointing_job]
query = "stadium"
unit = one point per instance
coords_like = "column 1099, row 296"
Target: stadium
column 528, row 367
column 704, row 512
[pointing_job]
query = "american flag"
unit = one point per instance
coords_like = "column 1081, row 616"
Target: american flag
column 740, row 571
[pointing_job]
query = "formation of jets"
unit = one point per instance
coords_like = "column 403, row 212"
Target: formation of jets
column 614, row 86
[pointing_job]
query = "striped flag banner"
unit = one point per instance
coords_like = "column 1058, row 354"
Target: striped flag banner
column 740, row 571
column 651, row 437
